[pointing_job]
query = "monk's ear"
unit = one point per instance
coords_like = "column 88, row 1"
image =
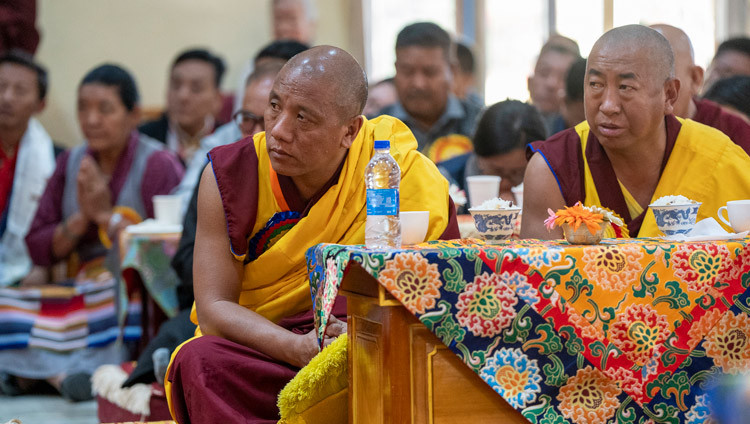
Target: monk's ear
column 671, row 91
column 352, row 130
column 696, row 74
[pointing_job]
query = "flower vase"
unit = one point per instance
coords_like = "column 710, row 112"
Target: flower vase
column 582, row 235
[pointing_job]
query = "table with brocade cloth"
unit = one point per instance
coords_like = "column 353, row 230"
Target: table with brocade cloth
column 628, row 331
column 148, row 274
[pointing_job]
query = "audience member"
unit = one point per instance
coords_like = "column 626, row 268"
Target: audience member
column 631, row 150
column 572, row 109
column 18, row 26
column 441, row 123
column 252, row 306
column 26, row 161
column 733, row 94
column 690, row 76
column 380, row 95
column 96, row 190
column 731, row 58
column 294, row 20
column 193, row 101
column 255, row 98
column 547, row 84
column 499, row 146
column 464, row 78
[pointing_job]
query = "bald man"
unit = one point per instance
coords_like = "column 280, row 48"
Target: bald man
column 631, row 149
column 261, row 204
column 688, row 105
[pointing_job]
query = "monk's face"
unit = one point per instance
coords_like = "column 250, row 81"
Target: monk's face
column 625, row 97
column 304, row 129
column 423, row 80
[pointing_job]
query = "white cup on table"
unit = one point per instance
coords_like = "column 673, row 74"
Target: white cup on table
column 414, row 226
column 167, row 209
column 482, row 187
column 738, row 214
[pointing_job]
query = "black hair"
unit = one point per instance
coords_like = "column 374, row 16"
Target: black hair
column 281, row 49
column 204, row 56
column 22, row 58
column 425, row 34
column 465, row 58
column 574, row 81
column 737, row 44
column 114, row 76
column 268, row 69
column 506, row 126
column 733, row 91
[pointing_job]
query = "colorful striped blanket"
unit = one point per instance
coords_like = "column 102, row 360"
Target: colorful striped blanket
column 64, row 317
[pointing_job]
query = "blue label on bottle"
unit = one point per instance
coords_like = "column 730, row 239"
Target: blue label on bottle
column 382, row 201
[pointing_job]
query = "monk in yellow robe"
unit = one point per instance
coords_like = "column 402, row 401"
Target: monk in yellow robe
column 261, row 204
column 631, row 149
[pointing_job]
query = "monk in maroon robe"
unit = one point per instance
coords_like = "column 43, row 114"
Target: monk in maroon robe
column 688, row 105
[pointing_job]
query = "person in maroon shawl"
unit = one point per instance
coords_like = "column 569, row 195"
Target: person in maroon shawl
column 688, row 105
column 309, row 167
column 631, row 149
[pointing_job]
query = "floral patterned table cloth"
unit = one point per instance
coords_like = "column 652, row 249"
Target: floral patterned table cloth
column 628, row 331
column 150, row 256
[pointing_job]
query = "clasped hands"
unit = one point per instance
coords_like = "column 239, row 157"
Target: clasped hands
column 94, row 197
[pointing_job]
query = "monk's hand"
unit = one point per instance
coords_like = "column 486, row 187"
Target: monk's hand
column 94, row 198
column 335, row 328
column 306, row 348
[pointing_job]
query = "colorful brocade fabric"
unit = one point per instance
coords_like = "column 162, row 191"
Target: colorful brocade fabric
column 628, row 331
column 275, row 228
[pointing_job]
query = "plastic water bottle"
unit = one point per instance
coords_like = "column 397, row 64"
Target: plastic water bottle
column 382, row 179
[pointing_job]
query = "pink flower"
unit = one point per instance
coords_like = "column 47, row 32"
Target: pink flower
column 550, row 222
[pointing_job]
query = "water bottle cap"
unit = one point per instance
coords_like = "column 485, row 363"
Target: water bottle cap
column 382, row 144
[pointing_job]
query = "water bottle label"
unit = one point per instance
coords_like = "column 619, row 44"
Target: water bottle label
column 382, row 201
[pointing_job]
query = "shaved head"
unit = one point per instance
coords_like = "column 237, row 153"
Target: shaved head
column 689, row 74
column 335, row 69
column 646, row 41
column 682, row 48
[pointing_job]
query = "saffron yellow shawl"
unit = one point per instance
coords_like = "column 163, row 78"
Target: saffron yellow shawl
column 705, row 165
column 275, row 284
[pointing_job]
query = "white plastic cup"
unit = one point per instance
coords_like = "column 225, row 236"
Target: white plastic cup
column 414, row 226
column 482, row 187
column 167, row 209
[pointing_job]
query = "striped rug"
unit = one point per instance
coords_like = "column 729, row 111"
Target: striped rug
column 66, row 317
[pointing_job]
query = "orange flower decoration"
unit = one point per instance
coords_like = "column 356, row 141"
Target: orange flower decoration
column 577, row 215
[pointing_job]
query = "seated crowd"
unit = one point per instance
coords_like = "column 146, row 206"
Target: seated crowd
column 617, row 129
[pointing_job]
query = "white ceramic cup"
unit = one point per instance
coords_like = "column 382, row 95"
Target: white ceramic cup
column 167, row 209
column 738, row 213
column 482, row 187
column 414, row 226
column 518, row 194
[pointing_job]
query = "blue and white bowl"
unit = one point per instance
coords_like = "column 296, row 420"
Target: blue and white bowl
column 675, row 219
column 495, row 225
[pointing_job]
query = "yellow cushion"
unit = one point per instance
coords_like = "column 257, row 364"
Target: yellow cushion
column 318, row 393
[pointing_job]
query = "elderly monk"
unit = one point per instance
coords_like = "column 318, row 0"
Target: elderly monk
column 631, row 149
column 688, row 105
column 261, row 204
